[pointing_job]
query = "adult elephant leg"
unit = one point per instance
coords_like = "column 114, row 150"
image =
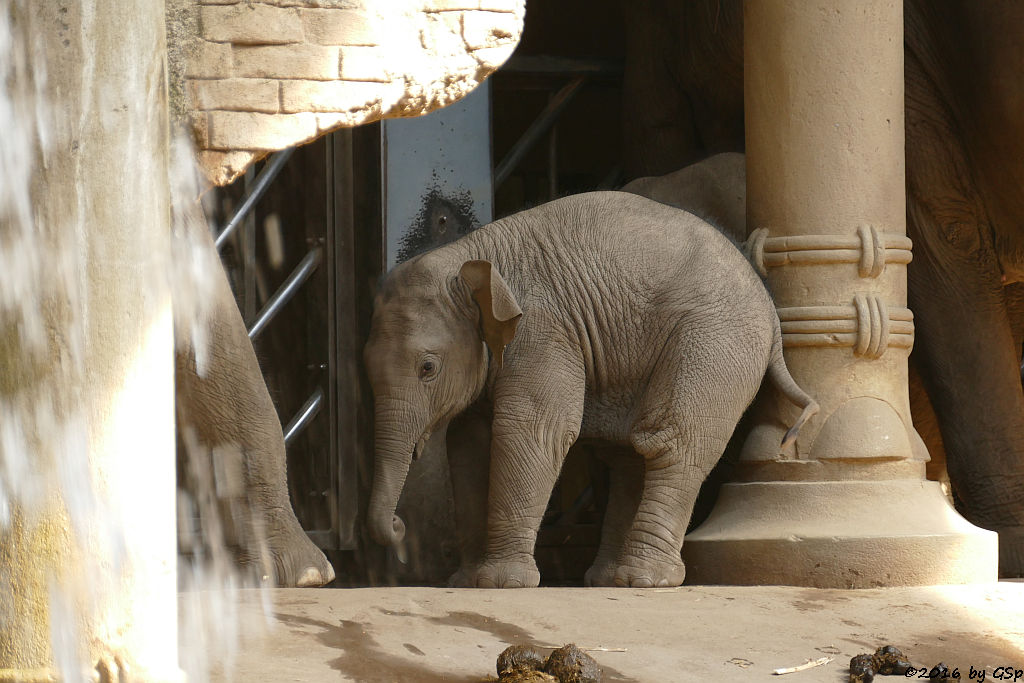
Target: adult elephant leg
column 625, row 486
column 659, row 133
column 970, row 365
column 225, row 413
column 682, row 83
column 1014, row 294
column 927, row 425
column 469, row 457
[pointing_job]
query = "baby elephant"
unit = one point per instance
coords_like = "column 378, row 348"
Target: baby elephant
column 603, row 316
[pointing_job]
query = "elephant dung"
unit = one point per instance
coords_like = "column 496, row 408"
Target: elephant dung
column 519, row 658
column 572, row 665
column 567, row 664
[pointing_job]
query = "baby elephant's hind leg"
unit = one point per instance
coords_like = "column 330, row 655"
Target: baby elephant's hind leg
column 651, row 553
column 681, row 433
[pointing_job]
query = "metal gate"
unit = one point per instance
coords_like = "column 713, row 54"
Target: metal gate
column 286, row 244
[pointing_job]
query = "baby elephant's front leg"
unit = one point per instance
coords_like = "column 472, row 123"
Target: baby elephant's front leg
column 528, row 447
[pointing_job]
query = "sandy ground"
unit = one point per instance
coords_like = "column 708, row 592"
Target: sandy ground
column 698, row 633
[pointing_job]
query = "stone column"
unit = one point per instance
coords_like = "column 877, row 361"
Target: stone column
column 87, row 543
column 848, row 505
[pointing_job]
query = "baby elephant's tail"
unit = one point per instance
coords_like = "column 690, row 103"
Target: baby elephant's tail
column 779, row 374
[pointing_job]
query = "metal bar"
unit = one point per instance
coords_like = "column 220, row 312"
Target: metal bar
column 543, row 122
column 283, row 295
column 305, row 415
column 345, row 326
column 331, row 145
column 268, row 173
column 553, row 162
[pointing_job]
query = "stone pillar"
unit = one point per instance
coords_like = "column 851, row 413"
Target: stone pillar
column 848, row 505
column 87, row 544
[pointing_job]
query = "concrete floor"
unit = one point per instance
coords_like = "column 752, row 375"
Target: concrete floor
column 693, row 633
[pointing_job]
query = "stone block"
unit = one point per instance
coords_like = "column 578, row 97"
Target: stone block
column 483, row 30
column 449, row 5
column 237, row 94
column 516, row 6
column 219, row 2
column 328, row 96
column 322, row 4
column 201, row 129
column 315, row 62
column 363, row 64
column 252, row 131
column 222, row 168
column 490, row 58
column 441, row 33
column 325, row 123
column 339, row 27
column 209, row 60
column 250, row 24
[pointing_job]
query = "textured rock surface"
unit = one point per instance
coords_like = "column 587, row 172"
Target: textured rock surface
column 252, row 77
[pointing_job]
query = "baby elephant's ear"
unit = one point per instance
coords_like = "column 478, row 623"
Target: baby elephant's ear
column 499, row 312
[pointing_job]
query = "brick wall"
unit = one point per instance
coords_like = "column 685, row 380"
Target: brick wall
column 252, row 76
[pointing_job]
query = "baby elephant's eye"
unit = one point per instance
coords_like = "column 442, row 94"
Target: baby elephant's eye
column 428, row 369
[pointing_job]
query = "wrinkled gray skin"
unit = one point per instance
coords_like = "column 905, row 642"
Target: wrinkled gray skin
column 683, row 100
column 625, row 321
column 228, row 410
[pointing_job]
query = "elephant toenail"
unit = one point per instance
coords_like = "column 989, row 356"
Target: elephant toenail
column 310, row 578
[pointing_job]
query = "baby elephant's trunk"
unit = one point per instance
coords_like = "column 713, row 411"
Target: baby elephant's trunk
column 390, row 469
column 387, row 531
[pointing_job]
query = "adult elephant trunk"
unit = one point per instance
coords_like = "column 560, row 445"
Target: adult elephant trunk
column 395, row 444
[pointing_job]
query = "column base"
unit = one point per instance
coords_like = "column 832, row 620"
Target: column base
column 838, row 534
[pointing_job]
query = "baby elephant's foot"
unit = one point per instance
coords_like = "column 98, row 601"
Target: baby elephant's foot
column 508, row 574
column 649, row 573
column 601, row 573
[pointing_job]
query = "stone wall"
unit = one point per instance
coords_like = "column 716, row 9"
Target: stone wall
column 251, row 77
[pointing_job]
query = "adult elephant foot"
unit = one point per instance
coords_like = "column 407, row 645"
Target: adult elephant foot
column 508, row 574
column 650, row 573
column 292, row 561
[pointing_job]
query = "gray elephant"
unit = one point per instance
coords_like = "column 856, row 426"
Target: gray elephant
column 714, row 189
column 597, row 316
column 231, row 453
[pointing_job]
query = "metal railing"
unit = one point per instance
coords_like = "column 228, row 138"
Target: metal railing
column 306, row 413
column 287, row 291
column 254, row 194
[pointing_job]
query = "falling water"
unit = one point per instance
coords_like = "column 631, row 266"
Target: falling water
column 210, row 627
column 51, row 505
